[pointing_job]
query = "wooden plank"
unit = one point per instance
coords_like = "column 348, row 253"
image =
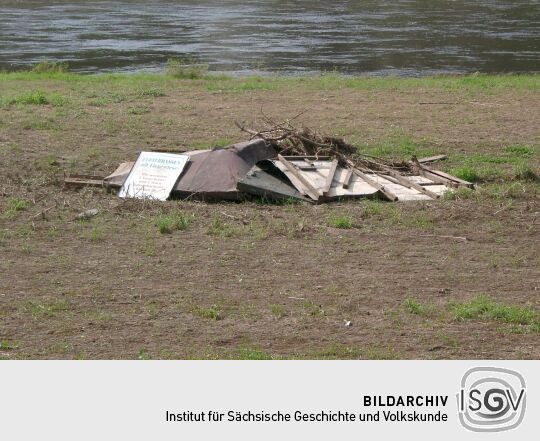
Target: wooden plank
column 260, row 183
column 308, row 158
column 308, row 188
column 430, row 159
column 437, row 179
column 84, row 180
column 330, row 177
column 387, row 193
column 410, row 184
column 462, row 182
column 438, row 176
column 347, row 178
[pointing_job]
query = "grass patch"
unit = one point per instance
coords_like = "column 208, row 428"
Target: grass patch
column 458, row 194
column 50, row 309
column 189, row 68
column 14, row 206
column 153, row 92
column 245, row 353
column 524, row 172
column 185, row 68
column 167, row 223
column 138, row 110
column 219, row 228
column 6, row 346
column 397, row 146
column 211, row 313
column 484, row 307
column 50, row 67
column 413, row 307
column 342, row 352
column 214, row 143
column 338, row 352
column 466, row 172
column 35, row 98
column 343, row 221
column 521, row 151
column 312, row 308
column 278, row 311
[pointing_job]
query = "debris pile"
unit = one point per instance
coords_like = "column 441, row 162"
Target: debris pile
column 282, row 162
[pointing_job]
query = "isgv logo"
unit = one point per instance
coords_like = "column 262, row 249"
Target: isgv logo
column 491, row 399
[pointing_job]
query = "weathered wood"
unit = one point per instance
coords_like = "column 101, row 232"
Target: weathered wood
column 439, row 176
column 436, row 178
column 387, row 193
column 330, row 177
column 462, row 182
column 308, row 158
column 308, row 188
column 261, row 183
column 167, row 151
column 410, row 184
column 347, row 178
column 84, row 180
column 430, row 159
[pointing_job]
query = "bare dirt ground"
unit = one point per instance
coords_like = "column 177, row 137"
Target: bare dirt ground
column 253, row 280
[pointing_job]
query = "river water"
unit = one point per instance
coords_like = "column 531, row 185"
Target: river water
column 377, row 37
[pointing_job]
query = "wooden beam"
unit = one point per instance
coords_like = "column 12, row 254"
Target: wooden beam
column 439, row 176
column 330, row 177
column 391, row 196
column 430, row 159
column 347, row 178
column 461, row 182
column 308, row 188
column 308, row 158
column 84, row 180
column 410, row 184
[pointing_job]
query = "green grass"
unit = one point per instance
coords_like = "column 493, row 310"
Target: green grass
column 340, row 220
column 219, row 228
column 185, row 69
column 312, row 308
column 278, row 311
column 47, row 309
column 458, row 194
column 413, row 307
column 211, row 313
column 14, row 206
column 484, row 307
column 397, row 145
column 337, row 351
column 50, row 67
column 35, row 98
column 524, row 172
column 168, row 223
column 191, row 73
column 246, row 353
column 153, row 92
column 467, row 172
column 511, row 162
column 214, row 143
column 6, row 346
column 138, row 110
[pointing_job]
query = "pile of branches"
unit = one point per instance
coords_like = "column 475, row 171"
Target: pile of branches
column 289, row 140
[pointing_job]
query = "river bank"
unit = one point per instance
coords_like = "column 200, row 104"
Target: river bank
column 268, row 281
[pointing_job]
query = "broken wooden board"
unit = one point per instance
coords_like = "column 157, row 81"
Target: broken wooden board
column 431, row 159
column 344, row 184
column 259, row 182
column 84, row 181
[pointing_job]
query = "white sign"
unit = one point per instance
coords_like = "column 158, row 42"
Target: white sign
column 153, row 176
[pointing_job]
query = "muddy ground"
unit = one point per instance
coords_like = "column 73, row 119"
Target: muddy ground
column 255, row 280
